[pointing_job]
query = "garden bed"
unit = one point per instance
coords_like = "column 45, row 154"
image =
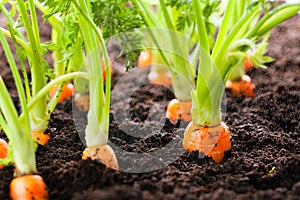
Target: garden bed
column 262, row 164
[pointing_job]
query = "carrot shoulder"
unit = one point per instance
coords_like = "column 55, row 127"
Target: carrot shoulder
column 40, row 137
column 104, row 153
column 28, row 187
column 67, row 92
column 243, row 87
column 247, row 63
column 82, row 102
column 179, row 110
column 3, row 150
column 213, row 141
column 145, row 59
column 160, row 78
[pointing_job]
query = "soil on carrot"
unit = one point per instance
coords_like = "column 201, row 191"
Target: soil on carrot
column 262, row 164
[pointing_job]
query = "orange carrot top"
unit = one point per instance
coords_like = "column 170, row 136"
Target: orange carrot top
column 66, row 92
column 28, row 187
column 213, row 141
column 145, row 59
column 3, row 150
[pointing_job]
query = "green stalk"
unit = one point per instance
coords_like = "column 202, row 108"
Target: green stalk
column 57, row 29
column 22, row 57
column 151, row 22
column 98, row 115
column 182, row 72
column 38, row 115
column 54, row 20
column 237, row 72
column 265, row 24
column 16, row 75
column 18, row 133
column 221, row 38
column 58, row 56
column 166, row 15
column 34, row 21
column 19, row 138
column 45, row 90
column 77, row 63
column 236, row 29
column 10, row 20
column 279, row 16
column 206, row 99
column 103, row 48
column 19, row 40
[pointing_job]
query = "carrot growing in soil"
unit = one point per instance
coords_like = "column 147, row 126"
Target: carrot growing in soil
column 67, row 54
column 207, row 133
column 31, row 51
column 98, row 114
column 238, row 82
column 97, row 129
column 27, row 184
column 3, row 150
column 145, row 59
column 67, row 91
column 159, row 74
column 70, row 52
column 177, row 49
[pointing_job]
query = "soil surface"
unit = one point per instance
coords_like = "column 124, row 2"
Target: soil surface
column 264, row 162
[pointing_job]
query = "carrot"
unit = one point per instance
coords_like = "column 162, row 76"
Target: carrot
column 103, row 152
column 67, row 92
column 248, row 65
column 145, row 59
column 28, row 187
column 40, row 137
column 104, row 70
column 162, row 78
column 243, row 87
column 186, row 107
column 173, row 111
column 213, row 141
column 179, row 110
column 82, row 102
column 3, row 150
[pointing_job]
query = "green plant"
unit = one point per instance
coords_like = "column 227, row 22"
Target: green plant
column 206, row 132
column 21, row 151
column 31, row 52
column 177, row 20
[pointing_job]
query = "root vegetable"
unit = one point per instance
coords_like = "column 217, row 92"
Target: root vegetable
column 104, row 153
column 145, row 59
column 213, row 141
column 66, row 92
column 3, row 150
column 28, row 187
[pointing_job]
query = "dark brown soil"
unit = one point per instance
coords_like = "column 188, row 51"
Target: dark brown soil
column 264, row 162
